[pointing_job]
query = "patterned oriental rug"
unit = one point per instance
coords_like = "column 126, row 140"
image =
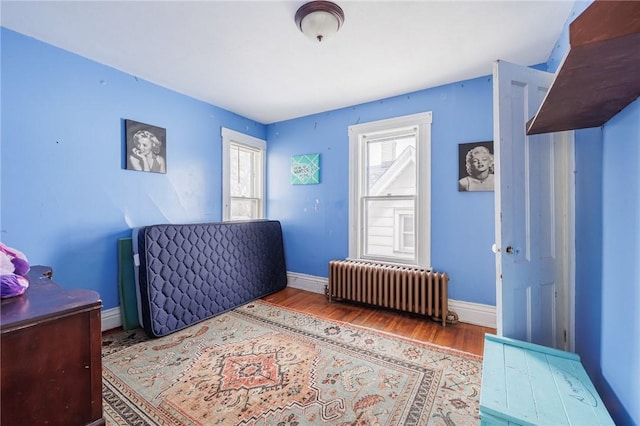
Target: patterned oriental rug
column 265, row 365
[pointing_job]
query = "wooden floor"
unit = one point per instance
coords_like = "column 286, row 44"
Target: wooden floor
column 465, row 337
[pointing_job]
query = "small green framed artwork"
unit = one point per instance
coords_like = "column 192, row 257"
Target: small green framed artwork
column 305, row 169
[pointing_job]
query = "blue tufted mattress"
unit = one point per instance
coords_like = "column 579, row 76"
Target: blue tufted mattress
column 188, row 273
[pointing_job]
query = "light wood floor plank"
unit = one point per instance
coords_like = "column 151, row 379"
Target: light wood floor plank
column 465, row 337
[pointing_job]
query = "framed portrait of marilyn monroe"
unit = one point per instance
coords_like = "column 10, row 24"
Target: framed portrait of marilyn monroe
column 475, row 166
column 146, row 147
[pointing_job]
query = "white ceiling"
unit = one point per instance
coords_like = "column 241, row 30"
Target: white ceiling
column 249, row 57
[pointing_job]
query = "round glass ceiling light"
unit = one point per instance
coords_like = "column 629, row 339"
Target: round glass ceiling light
column 319, row 19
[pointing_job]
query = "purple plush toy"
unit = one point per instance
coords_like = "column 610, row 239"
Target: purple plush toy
column 13, row 268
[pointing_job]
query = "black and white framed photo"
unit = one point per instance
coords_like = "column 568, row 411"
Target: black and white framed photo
column 475, row 166
column 146, row 147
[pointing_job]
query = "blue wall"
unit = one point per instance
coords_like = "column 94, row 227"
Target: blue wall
column 620, row 315
column 607, row 290
column 588, row 234
column 607, row 257
column 65, row 196
column 608, row 260
column 315, row 217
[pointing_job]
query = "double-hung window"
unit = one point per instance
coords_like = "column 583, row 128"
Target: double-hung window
column 243, row 176
column 390, row 190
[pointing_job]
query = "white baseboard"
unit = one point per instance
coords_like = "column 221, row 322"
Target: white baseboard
column 471, row 313
column 111, row 318
column 474, row 313
column 307, row 282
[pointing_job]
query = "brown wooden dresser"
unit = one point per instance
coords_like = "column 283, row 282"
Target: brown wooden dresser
column 50, row 365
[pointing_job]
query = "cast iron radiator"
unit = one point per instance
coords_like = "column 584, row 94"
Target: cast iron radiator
column 404, row 288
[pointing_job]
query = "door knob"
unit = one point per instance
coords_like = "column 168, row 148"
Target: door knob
column 511, row 250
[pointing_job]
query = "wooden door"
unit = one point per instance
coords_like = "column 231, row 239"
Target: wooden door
column 530, row 235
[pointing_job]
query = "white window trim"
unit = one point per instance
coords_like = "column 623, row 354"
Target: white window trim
column 423, row 156
column 231, row 136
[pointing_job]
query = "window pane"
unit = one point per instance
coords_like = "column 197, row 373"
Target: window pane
column 408, row 242
column 407, row 238
column 243, row 175
column 381, row 229
column 391, row 166
column 407, row 225
column 244, row 209
column 242, row 183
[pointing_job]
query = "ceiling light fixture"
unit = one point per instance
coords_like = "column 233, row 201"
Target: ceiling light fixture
column 319, row 19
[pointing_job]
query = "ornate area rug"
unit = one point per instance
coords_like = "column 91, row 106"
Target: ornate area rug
column 264, row 365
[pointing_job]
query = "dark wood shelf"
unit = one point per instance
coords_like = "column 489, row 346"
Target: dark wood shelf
column 600, row 74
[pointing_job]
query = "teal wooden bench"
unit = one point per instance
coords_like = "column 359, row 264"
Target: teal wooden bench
column 527, row 384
